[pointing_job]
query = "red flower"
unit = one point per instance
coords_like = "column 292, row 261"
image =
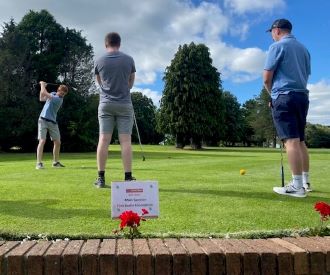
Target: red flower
column 323, row 208
column 144, row 211
column 129, row 218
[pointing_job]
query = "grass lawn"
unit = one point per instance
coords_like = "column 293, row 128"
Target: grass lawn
column 201, row 193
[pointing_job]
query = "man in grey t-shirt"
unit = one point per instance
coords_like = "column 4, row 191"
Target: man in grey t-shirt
column 115, row 73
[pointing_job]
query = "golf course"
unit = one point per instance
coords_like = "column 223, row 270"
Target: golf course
column 201, row 193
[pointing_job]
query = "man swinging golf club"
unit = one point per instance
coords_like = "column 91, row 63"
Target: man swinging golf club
column 47, row 123
column 115, row 73
column 286, row 73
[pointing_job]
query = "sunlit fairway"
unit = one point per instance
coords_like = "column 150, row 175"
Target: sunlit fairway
column 202, row 193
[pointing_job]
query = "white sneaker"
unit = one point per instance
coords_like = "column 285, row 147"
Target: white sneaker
column 40, row 166
column 307, row 187
column 290, row 190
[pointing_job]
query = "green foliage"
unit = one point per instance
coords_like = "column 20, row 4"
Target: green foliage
column 317, row 136
column 258, row 117
column 247, row 111
column 18, row 113
column 233, row 120
column 191, row 103
column 78, row 123
column 145, row 113
column 44, row 49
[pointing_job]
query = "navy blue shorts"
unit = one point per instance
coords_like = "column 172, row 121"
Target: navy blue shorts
column 289, row 114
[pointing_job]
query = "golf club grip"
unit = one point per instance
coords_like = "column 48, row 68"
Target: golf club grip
column 282, row 175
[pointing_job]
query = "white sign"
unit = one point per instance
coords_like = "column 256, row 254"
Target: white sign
column 134, row 196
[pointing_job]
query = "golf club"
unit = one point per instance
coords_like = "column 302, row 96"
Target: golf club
column 137, row 130
column 282, row 169
column 56, row 84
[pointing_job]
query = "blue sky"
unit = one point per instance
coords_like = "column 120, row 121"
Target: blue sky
column 234, row 31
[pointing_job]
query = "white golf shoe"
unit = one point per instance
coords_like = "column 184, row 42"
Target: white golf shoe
column 290, row 190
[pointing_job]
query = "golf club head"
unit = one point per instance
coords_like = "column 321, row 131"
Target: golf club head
column 143, row 158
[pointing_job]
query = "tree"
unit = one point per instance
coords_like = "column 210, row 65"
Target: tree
column 233, row 120
column 317, row 136
column 145, row 113
column 191, row 104
column 247, row 110
column 18, row 110
column 260, row 119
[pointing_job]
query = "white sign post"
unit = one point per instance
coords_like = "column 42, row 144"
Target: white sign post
column 134, row 196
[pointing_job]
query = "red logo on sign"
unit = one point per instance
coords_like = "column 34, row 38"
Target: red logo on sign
column 136, row 190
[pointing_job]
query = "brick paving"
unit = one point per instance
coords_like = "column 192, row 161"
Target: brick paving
column 185, row 256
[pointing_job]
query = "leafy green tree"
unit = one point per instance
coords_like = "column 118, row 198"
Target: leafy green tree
column 317, row 136
column 145, row 113
column 233, row 120
column 259, row 117
column 18, row 110
column 191, row 106
column 247, row 110
column 45, row 48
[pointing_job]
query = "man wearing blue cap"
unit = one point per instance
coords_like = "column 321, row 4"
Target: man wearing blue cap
column 286, row 73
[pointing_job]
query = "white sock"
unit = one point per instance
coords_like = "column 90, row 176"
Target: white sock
column 305, row 178
column 297, row 181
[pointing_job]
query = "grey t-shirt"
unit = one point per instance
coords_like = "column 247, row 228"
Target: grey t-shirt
column 114, row 70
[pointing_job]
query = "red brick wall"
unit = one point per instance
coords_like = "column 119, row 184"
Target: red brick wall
column 167, row 257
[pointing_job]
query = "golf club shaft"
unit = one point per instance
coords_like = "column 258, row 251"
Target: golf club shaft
column 282, row 169
column 56, row 84
column 138, row 133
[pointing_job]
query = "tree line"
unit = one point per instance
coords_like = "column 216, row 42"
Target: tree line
column 194, row 109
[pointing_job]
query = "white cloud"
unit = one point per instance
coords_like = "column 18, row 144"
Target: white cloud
column 238, row 65
column 154, row 95
column 319, row 111
column 243, row 6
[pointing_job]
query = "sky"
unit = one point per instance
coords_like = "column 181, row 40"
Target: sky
column 233, row 30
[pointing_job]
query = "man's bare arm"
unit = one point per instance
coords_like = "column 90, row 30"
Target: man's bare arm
column 268, row 80
column 98, row 79
column 131, row 80
column 44, row 95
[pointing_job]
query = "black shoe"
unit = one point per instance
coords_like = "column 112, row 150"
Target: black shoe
column 129, row 178
column 307, row 187
column 100, row 183
column 57, row 164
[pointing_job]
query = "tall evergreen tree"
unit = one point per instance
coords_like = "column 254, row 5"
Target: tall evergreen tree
column 191, row 106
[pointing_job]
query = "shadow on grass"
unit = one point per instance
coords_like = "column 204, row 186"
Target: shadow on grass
column 246, row 195
column 43, row 210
